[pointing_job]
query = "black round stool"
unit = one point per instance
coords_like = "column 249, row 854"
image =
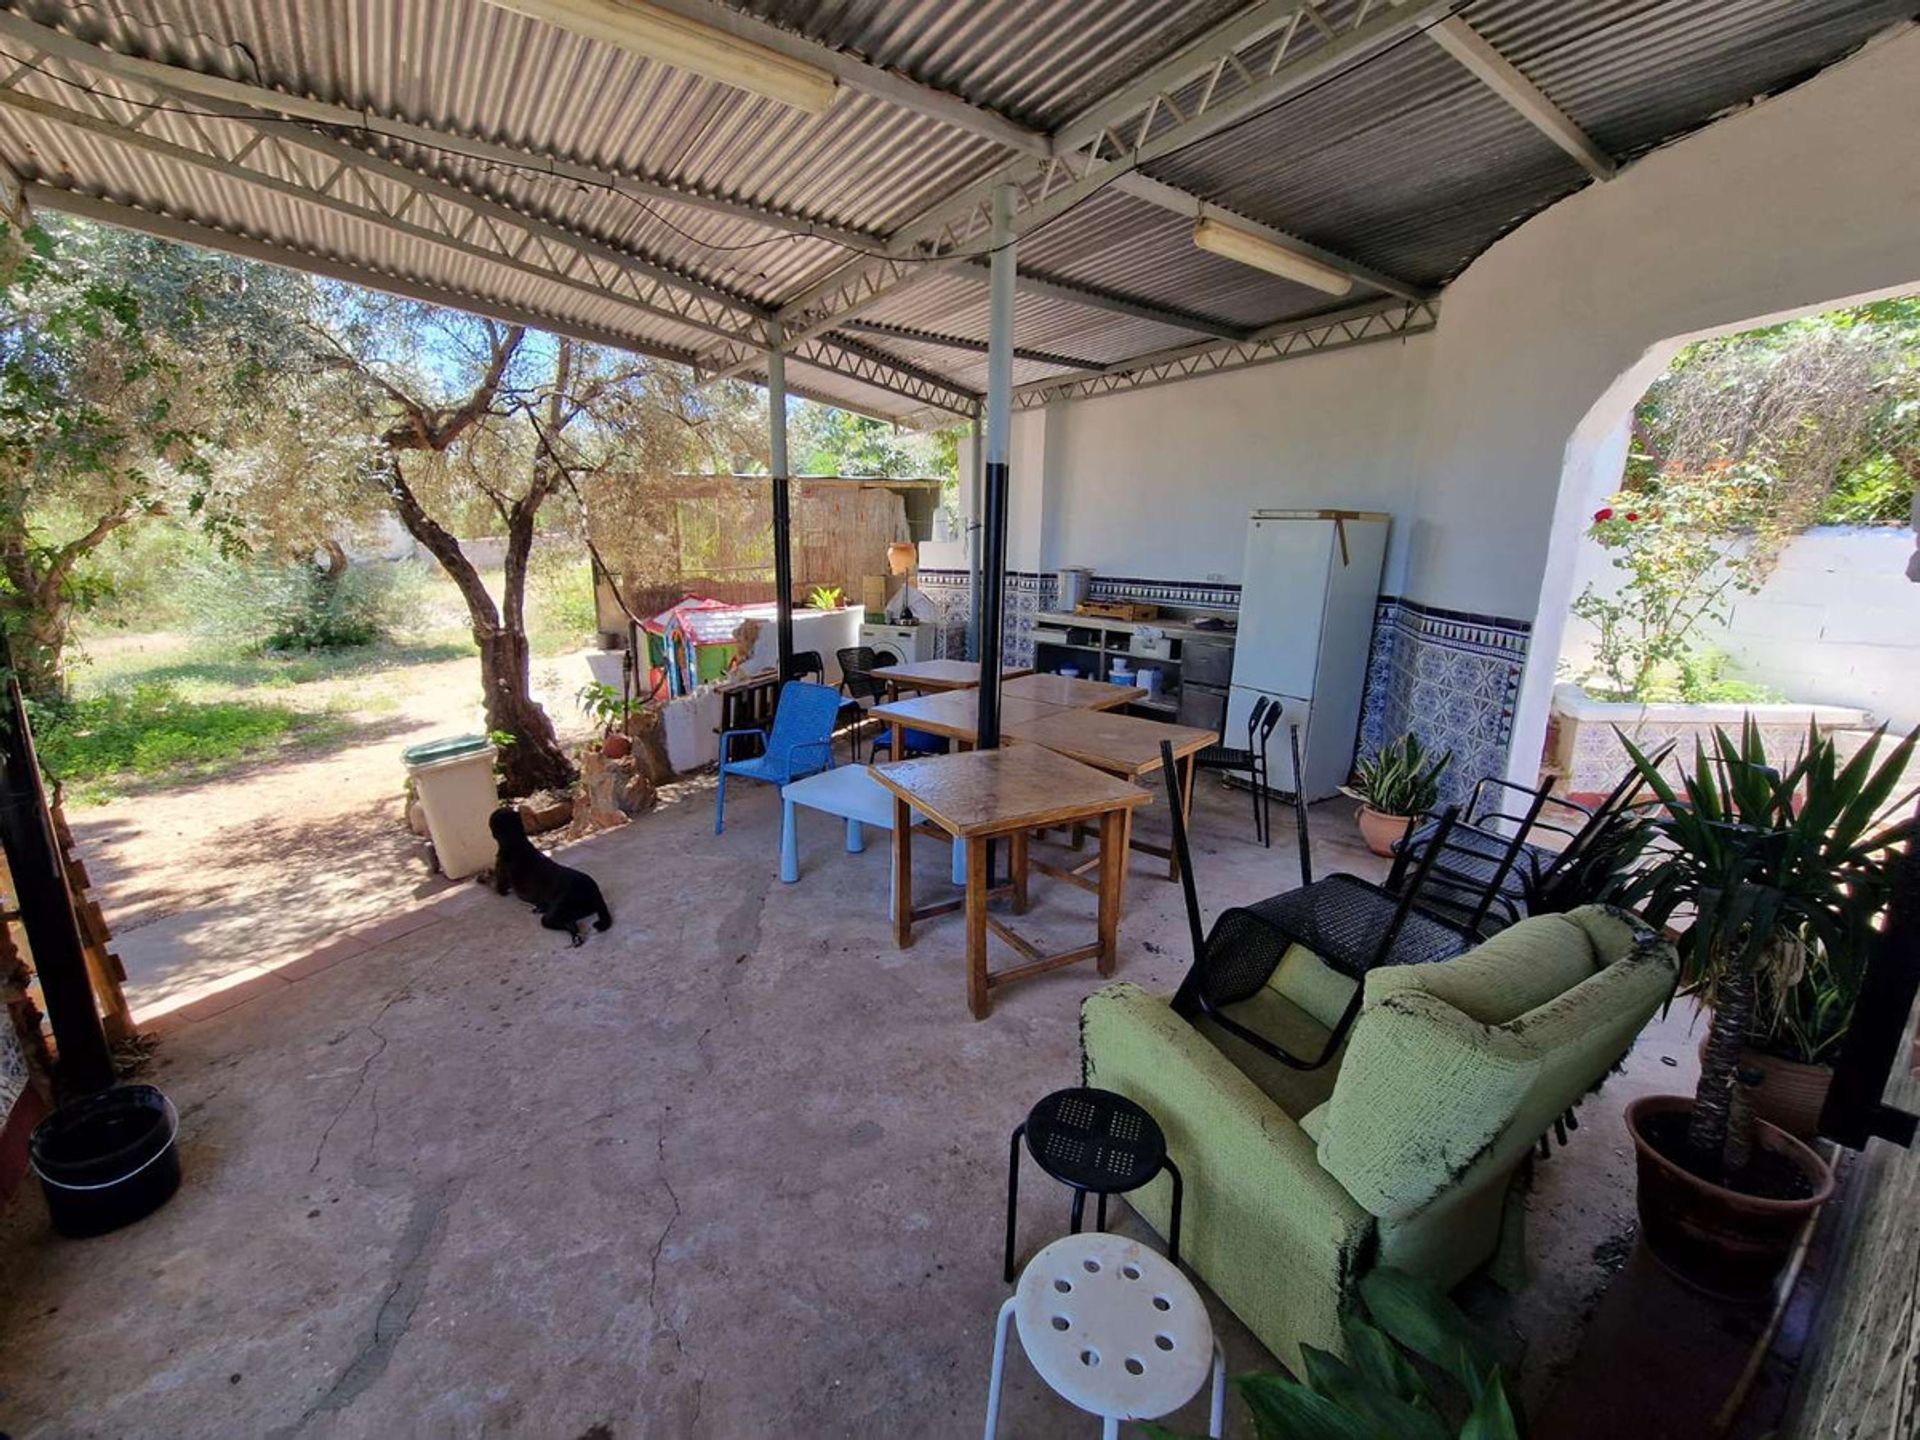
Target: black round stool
column 1094, row 1141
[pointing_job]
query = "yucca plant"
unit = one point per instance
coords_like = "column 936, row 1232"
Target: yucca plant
column 825, row 597
column 1403, row 779
column 1776, row 868
column 1379, row 1392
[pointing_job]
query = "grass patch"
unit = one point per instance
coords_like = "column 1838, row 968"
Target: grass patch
column 151, row 734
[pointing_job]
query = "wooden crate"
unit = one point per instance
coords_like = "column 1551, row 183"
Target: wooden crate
column 1116, row 610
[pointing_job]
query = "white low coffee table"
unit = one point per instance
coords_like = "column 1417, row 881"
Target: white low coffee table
column 851, row 793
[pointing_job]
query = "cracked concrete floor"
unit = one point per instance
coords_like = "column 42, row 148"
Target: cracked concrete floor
column 735, row 1168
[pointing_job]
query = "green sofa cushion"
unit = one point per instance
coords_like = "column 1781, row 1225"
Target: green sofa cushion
column 1518, row 970
column 1272, row 1015
column 1423, row 1092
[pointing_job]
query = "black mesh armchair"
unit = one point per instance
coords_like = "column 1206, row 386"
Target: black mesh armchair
column 1351, row 924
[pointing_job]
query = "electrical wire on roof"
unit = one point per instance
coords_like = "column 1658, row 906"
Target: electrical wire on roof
column 534, row 168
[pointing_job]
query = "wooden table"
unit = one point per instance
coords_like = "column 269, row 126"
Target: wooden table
column 932, row 676
column 954, row 714
column 987, row 794
column 1071, row 693
column 1122, row 745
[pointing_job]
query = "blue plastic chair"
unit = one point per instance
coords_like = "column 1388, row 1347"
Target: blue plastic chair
column 800, row 743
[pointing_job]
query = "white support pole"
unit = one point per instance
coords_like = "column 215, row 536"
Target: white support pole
column 999, row 426
column 782, row 498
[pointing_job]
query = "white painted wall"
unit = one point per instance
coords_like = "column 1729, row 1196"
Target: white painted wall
column 1158, row 484
column 1837, row 623
column 1798, row 203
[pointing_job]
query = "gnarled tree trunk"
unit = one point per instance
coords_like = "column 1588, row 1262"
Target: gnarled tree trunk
column 534, row 759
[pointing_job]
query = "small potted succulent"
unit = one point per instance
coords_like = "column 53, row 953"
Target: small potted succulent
column 610, row 709
column 1782, row 874
column 1394, row 789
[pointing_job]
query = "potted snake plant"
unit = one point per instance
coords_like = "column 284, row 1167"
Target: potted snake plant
column 1394, row 788
column 1780, row 873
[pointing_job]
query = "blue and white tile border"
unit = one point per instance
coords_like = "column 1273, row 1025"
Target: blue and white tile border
column 1450, row 677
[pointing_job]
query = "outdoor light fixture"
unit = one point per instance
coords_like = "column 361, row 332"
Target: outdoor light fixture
column 1247, row 248
column 659, row 34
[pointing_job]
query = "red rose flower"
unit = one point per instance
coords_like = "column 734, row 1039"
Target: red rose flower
column 1604, row 513
column 1632, row 515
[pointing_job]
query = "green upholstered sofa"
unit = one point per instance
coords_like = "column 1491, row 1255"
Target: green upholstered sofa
column 1401, row 1150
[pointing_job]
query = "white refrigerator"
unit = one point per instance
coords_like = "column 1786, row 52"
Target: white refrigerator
column 1307, row 598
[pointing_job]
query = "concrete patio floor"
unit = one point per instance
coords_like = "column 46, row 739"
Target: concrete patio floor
column 735, row 1168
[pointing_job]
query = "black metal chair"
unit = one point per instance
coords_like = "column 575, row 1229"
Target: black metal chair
column 1525, row 876
column 857, row 664
column 807, row 665
column 1251, row 759
column 1351, row 924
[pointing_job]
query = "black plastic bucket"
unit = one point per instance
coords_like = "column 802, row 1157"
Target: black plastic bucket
column 107, row 1160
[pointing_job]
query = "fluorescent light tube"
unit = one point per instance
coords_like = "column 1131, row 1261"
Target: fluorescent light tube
column 1263, row 254
column 685, row 44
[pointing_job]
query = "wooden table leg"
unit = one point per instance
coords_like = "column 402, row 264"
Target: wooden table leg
column 896, row 741
column 1017, row 862
column 902, row 873
column 1113, row 872
column 977, row 1000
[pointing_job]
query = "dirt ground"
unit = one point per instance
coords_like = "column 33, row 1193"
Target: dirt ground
column 207, row 884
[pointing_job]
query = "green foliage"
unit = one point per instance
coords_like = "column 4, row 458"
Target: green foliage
column 1743, row 443
column 1403, row 779
column 150, row 732
column 1671, row 539
column 606, row 704
column 1785, row 874
column 1409, row 1341
column 126, row 365
column 838, row 442
column 560, row 587
column 825, row 597
column 281, row 608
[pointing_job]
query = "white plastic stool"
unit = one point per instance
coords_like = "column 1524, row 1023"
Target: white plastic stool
column 1115, row 1329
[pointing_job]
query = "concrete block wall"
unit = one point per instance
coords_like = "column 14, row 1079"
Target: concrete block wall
column 1837, row 622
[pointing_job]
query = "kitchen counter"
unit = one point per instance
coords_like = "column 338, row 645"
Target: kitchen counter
column 1179, row 630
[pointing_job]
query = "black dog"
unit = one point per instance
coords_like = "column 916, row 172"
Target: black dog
column 564, row 897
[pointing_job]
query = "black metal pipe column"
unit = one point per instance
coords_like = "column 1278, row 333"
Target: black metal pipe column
column 46, row 907
column 782, row 496
column 993, row 563
column 976, row 522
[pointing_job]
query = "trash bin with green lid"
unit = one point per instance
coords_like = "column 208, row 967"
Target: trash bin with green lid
column 454, row 778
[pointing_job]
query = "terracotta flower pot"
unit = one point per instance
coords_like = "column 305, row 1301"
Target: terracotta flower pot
column 1708, row 1236
column 617, row 746
column 1382, row 831
column 1791, row 1093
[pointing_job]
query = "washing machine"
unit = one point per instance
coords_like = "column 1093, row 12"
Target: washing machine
column 901, row 644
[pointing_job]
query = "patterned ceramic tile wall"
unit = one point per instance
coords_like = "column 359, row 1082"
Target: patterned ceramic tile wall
column 13, row 1068
column 1453, row 678
column 1185, row 594
column 1449, row 677
column 952, row 593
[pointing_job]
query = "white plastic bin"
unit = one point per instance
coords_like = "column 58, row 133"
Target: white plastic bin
column 454, row 778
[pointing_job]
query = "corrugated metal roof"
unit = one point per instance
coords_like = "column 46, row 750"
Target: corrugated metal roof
column 1634, row 73
column 1039, row 61
column 1404, row 163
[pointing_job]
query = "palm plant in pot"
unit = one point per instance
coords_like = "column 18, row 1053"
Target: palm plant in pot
column 1394, row 788
column 1781, row 872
